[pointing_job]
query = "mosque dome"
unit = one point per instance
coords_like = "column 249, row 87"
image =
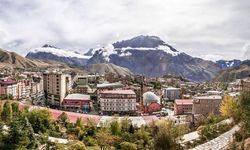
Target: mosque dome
column 150, row 97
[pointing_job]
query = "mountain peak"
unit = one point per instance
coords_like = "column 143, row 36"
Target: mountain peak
column 140, row 41
column 49, row 46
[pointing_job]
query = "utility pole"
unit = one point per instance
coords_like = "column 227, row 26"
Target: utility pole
column 141, row 92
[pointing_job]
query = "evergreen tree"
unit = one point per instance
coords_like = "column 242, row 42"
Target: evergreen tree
column 63, row 118
column 15, row 109
column 7, row 112
column 40, row 120
column 21, row 135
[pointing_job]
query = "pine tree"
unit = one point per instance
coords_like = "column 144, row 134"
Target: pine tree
column 7, row 112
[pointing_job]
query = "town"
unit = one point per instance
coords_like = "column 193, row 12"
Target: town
column 141, row 99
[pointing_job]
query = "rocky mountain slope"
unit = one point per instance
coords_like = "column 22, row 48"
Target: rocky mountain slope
column 104, row 68
column 48, row 52
column 151, row 56
column 147, row 55
column 15, row 61
column 230, row 75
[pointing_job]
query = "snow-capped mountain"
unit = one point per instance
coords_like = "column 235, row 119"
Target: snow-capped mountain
column 147, row 55
column 48, row 52
column 151, row 56
column 139, row 43
column 224, row 64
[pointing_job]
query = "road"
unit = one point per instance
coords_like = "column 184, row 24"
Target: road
column 219, row 143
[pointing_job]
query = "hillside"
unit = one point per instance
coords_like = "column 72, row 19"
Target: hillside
column 107, row 68
column 229, row 75
column 151, row 56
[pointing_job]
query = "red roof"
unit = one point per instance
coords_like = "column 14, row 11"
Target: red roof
column 118, row 92
column 184, row 101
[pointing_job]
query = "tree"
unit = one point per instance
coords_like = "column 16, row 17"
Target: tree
column 244, row 100
column 229, row 107
column 21, row 135
column 63, row 118
column 76, row 145
column 40, row 120
column 79, row 123
column 7, row 112
column 143, row 138
column 128, row 146
column 91, row 127
column 115, row 127
column 167, row 134
column 15, row 109
column 105, row 140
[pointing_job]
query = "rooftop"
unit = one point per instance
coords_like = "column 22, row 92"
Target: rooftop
column 103, row 85
column 118, row 92
column 184, row 101
column 209, row 97
column 77, row 97
column 8, row 82
column 172, row 88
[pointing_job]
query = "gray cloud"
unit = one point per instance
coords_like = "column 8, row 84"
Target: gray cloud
column 210, row 29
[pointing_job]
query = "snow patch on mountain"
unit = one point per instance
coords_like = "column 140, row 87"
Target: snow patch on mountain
column 59, row 52
column 164, row 48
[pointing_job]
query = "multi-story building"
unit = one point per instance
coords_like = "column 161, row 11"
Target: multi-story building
column 245, row 84
column 118, row 101
column 8, row 87
column 77, row 102
column 206, row 104
column 183, row 106
column 56, row 86
column 81, row 85
column 171, row 93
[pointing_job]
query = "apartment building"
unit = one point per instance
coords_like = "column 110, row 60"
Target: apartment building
column 207, row 104
column 56, row 86
column 171, row 93
column 245, row 84
column 117, row 101
column 183, row 106
column 8, row 87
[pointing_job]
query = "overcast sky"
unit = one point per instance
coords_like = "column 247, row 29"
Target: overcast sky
column 211, row 29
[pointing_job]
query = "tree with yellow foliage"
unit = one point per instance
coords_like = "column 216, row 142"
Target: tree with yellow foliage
column 229, row 107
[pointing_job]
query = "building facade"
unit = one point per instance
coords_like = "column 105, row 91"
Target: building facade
column 9, row 87
column 245, row 84
column 171, row 93
column 117, row 101
column 207, row 104
column 77, row 102
column 183, row 106
column 56, row 86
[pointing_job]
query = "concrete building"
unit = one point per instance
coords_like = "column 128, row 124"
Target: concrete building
column 81, row 85
column 56, row 87
column 206, row 104
column 77, row 102
column 171, row 93
column 245, row 84
column 183, row 106
column 8, row 87
column 118, row 101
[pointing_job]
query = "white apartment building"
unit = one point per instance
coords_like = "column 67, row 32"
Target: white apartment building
column 118, row 101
